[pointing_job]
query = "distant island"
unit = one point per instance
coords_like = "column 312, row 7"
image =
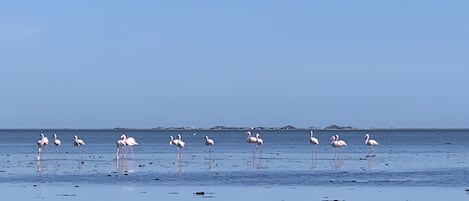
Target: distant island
column 227, row 128
column 287, row 127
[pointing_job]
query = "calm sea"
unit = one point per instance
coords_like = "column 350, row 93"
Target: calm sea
column 403, row 158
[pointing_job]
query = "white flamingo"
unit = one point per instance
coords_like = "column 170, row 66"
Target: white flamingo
column 173, row 141
column 44, row 139
column 129, row 142
column 57, row 143
column 251, row 139
column 78, row 143
column 119, row 144
column 339, row 142
column 370, row 142
column 208, row 141
column 40, row 146
column 180, row 144
column 259, row 140
column 336, row 143
column 333, row 143
column 259, row 145
column 177, row 142
column 313, row 140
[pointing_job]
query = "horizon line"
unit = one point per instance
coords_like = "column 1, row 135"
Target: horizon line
column 244, row 128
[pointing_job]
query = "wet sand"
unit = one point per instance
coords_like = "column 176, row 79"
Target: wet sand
column 29, row 191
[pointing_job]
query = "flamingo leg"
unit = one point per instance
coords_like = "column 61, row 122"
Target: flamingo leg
column 117, row 154
column 124, row 151
column 131, row 151
column 255, row 148
column 39, row 154
column 261, row 149
column 179, row 153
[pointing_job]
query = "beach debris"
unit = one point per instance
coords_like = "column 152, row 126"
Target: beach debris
column 200, row 193
column 204, row 194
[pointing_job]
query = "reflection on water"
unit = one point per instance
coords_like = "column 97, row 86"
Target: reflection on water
column 209, row 160
column 371, row 163
column 178, row 164
column 313, row 160
column 124, row 165
column 210, row 164
column 339, row 160
column 57, row 165
column 40, row 167
column 80, row 165
column 255, row 163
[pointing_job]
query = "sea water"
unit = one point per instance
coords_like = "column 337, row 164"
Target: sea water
column 411, row 158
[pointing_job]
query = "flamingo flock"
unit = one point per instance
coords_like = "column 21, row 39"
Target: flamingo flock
column 126, row 143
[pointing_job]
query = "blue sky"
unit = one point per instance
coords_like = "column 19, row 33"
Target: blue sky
column 106, row 64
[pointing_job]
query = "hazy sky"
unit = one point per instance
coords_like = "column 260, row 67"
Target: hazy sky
column 106, row 64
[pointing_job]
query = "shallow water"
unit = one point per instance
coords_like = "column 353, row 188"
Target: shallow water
column 404, row 158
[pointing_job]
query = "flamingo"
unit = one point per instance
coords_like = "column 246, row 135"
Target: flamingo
column 173, row 141
column 78, row 142
column 119, row 144
column 333, row 144
column 40, row 145
column 259, row 146
column 312, row 139
column 129, row 142
column 177, row 142
column 370, row 142
column 251, row 139
column 259, row 140
column 340, row 143
column 336, row 143
column 208, row 141
column 180, row 143
column 44, row 139
column 57, row 143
